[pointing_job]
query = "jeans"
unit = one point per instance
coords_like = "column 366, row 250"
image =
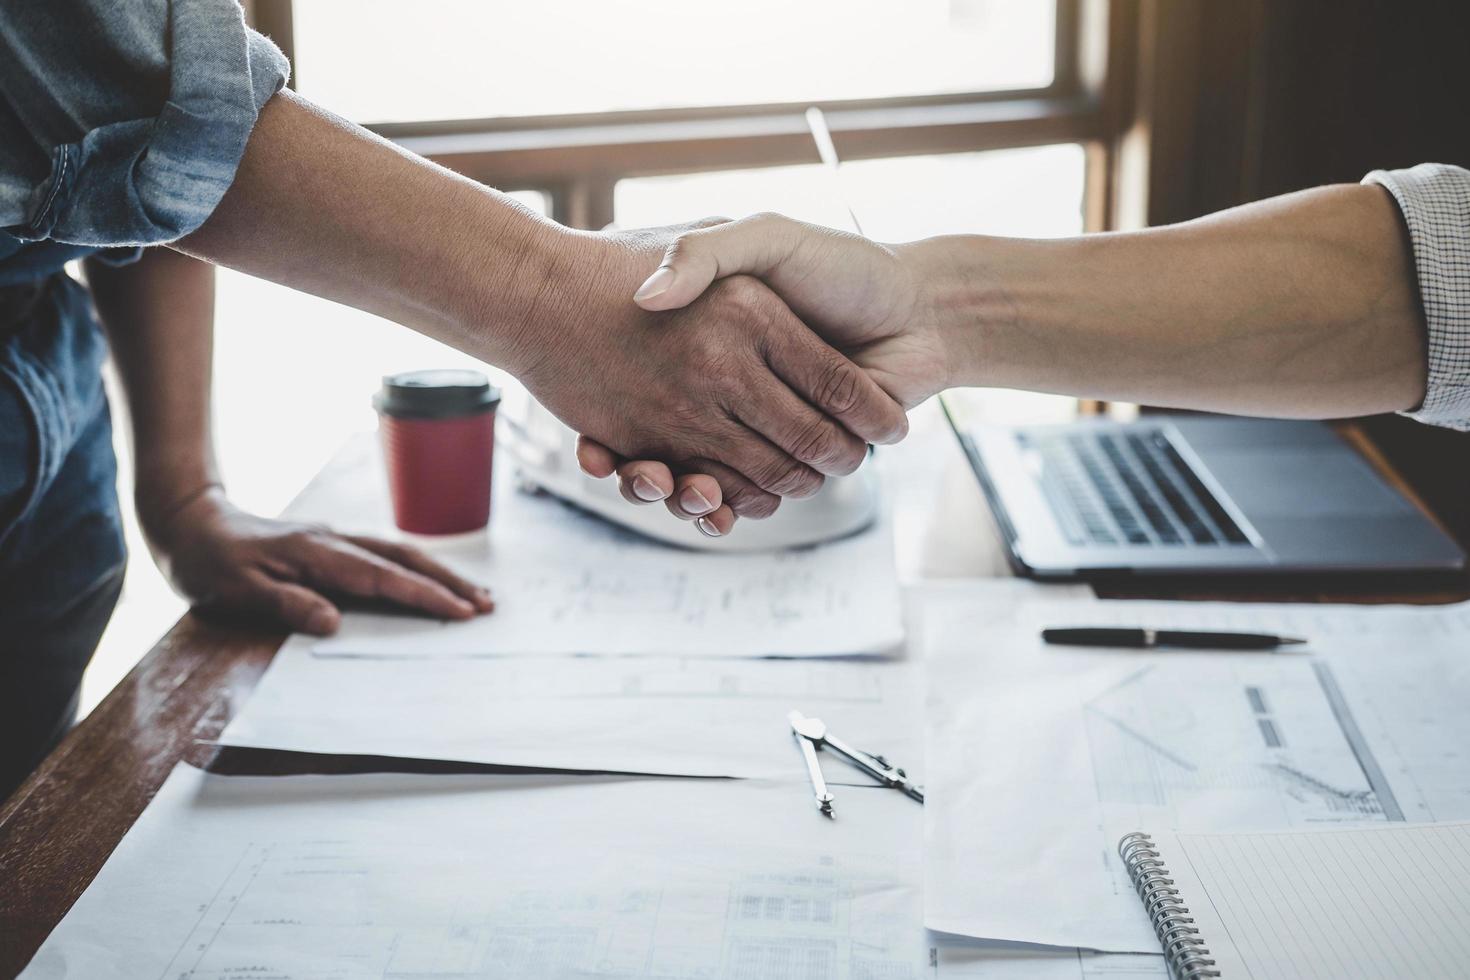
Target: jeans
column 41, row 678
column 61, row 545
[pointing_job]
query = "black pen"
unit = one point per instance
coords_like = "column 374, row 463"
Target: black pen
column 1107, row 636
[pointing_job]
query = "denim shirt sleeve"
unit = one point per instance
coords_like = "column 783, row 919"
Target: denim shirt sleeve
column 123, row 123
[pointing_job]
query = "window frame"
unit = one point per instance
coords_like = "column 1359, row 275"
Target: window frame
column 577, row 160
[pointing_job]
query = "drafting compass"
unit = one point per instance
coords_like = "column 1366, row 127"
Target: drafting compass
column 812, row 735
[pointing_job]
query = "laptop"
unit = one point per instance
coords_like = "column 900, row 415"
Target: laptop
column 1195, row 495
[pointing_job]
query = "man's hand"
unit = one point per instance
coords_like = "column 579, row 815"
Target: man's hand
column 862, row 297
column 230, row 563
column 735, row 386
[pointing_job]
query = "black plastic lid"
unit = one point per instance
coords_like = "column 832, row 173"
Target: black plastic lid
column 436, row 394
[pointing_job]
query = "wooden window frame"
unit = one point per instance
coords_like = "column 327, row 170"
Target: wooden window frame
column 577, row 160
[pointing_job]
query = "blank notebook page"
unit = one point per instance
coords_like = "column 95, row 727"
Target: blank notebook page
column 1388, row 902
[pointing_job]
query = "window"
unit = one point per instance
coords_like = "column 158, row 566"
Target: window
column 1034, row 192
column 468, row 59
column 574, row 97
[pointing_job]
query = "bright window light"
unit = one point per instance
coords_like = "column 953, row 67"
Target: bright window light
column 1033, row 193
column 389, row 61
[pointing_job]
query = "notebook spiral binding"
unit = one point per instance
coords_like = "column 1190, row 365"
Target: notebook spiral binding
column 1184, row 949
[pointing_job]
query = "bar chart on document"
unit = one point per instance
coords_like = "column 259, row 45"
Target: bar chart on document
column 1283, row 734
column 1394, row 679
column 1271, row 741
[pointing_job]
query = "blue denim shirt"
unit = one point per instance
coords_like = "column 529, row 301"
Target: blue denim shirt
column 121, row 125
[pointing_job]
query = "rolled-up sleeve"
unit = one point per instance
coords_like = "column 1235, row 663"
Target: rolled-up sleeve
column 124, row 123
column 1435, row 201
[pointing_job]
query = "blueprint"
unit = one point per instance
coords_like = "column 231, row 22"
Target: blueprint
column 400, row 876
column 567, row 582
column 692, row 716
column 1040, row 758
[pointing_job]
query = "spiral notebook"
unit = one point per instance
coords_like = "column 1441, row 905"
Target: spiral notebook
column 1391, row 901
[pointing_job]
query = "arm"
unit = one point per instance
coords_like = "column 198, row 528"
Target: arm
column 159, row 315
column 1301, row 306
column 1304, row 306
column 734, row 386
column 155, row 122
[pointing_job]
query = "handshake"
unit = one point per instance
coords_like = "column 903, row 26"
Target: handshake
column 758, row 356
column 761, row 355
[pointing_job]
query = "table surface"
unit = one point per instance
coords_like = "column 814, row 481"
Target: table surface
column 59, row 828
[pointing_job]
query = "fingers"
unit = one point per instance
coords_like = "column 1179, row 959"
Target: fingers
column 737, row 493
column 645, row 481
column 768, row 467
column 802, row 431
column 834, row 385
column 338, row 565
column 695, row 495
column 642, row 481
column 412, row 558
column 595, row 459
column 717, row 523
column 699, row 498
column 294, row 606
column 697, row 258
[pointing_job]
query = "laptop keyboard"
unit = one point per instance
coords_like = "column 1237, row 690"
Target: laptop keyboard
column 1129, row 488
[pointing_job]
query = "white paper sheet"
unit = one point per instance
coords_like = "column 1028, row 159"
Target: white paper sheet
column 390, row 877
column 397, row 876
column 694, row 716
column 567, row 582
column 998, row 962
column 1315, row 622
column 1040, row 758
column 1410, row 701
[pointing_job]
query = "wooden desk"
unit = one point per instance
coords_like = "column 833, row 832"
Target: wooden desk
column 60, row 826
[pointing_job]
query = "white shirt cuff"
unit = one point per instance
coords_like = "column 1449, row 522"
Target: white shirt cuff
column 1435, row 201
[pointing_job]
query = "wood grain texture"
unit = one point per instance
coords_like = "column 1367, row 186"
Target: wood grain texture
column 59, row 827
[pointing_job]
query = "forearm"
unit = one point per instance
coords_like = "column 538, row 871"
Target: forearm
column 159, row 317
column 1301, row 306
column 321, row 205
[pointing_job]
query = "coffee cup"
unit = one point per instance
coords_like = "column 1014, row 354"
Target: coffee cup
column 438, row 433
